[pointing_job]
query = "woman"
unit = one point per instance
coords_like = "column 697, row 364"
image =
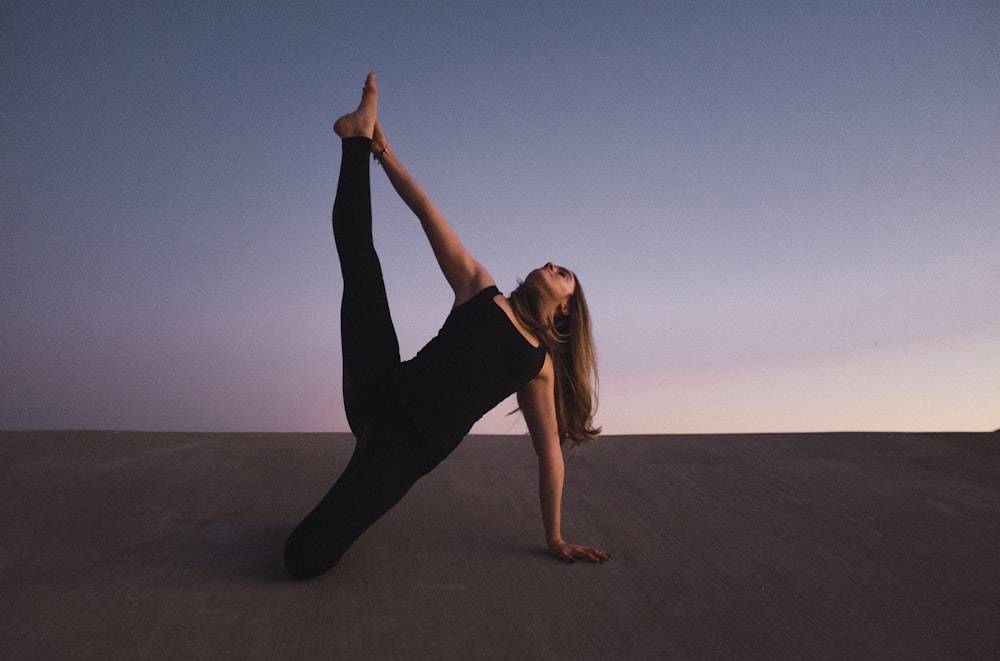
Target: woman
column 408, row 416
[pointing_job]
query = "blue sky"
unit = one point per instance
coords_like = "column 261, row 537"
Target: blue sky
column 786, row 216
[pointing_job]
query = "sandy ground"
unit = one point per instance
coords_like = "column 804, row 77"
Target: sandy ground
column 125, row 545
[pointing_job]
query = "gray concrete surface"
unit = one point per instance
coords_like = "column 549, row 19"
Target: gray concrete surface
column 124, row 545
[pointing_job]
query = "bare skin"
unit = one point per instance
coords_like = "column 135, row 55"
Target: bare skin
column 467, row 277
column 361, row 122
column 379, row 144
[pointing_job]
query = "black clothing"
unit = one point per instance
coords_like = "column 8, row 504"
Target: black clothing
column 406, row 416
column 477, row 359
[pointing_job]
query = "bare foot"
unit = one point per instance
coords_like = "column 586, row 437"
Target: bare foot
column 361, row 122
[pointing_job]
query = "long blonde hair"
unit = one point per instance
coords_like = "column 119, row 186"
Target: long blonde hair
column 570, row 344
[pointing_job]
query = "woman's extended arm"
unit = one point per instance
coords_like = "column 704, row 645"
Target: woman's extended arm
column 465, row 275
column 537, row 402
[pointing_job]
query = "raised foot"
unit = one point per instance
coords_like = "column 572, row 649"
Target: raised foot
column 361, row 122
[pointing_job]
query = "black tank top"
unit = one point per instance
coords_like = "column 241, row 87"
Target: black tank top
column 477, row 360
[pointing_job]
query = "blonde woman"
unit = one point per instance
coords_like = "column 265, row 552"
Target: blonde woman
column 408, row 416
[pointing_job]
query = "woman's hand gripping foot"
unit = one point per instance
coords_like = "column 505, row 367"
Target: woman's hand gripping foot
column 379, row 144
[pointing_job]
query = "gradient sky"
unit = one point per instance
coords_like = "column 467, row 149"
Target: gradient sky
column 786, row 216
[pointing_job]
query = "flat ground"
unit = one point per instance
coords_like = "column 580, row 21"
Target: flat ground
column 839, row 546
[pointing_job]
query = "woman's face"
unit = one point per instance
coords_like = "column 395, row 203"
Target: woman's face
column 557, row 282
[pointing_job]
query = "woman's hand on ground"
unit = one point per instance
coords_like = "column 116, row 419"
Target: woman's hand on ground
column 573, row 552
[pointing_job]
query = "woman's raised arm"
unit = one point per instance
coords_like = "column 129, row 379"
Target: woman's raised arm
column 465, row 275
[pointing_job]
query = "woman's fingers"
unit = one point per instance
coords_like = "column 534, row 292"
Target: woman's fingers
column 572, row 552
column 592, row 554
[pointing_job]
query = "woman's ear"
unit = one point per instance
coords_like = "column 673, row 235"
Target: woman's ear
column 564, row 309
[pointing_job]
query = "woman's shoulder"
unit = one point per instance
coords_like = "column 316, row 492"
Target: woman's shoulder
column 473, row 286
column 489, row 291
column 483, row 291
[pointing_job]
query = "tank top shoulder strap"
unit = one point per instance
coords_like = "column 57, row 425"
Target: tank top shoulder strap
column 489, row 292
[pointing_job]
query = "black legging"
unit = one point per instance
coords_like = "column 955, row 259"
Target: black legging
column 384, row 465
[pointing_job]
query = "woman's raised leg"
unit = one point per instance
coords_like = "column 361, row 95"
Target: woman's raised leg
column 368, row 338
column 382, row 468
